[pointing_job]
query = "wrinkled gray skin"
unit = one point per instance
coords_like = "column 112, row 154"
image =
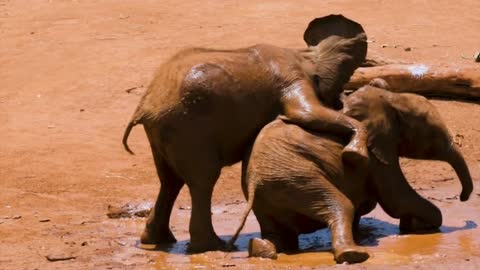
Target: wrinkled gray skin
column 296, row 182
column 205, row 107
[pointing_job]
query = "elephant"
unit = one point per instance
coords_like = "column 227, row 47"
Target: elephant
column 204, row 108
column 295, row 181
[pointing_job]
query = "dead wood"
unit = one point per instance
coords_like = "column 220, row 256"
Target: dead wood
column 453, row 81
column 374, row 59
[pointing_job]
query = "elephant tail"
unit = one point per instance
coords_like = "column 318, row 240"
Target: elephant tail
column 136, row 119
column 251, row 195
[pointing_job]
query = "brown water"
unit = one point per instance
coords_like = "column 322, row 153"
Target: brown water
column 379, row 234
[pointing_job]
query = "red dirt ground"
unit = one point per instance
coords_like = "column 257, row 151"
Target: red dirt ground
column 66, row 66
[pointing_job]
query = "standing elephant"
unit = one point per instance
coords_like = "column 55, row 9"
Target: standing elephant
column 205, row 107
column 296, row 182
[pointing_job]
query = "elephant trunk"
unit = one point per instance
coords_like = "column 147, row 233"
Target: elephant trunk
column 456, row 160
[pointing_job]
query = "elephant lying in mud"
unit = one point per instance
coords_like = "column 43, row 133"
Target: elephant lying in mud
column 205, row 107
column 295, row 180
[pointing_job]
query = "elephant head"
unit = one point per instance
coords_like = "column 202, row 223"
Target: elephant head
column 406, row 125
column 337, row 46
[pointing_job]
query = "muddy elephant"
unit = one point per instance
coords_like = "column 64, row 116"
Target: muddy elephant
column 205, row 107
column 296, row 182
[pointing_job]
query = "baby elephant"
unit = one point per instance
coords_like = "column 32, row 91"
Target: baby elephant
column 296, row 183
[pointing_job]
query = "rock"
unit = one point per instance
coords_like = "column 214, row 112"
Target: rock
column 407, row 49
column 120, row 243
column 13, row 217
column 128, row 211
column 59, row 257
column 458, row 140
column 476, row 56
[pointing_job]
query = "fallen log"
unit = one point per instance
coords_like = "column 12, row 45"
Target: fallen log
column 452, row 81
column 374, row 59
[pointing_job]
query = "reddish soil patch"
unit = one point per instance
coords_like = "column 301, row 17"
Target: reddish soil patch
column 66, row 66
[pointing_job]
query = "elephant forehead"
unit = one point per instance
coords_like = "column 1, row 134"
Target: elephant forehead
column 369, row 96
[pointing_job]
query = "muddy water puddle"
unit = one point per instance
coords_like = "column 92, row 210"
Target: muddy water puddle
column 379, row 234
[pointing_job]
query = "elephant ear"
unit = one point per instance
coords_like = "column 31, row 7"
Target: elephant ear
column 379, row 145
column 339, row 45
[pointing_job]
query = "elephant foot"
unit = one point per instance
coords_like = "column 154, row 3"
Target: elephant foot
column 157, row 237
column 350, row 255
column 415, row 225
column 262, row 248
column 210, row 244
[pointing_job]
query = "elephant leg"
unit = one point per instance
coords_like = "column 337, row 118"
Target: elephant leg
column 276, row 237
column 344, row 247
column 412, row 224
column 283, row 239
column 356, row 226
column 333, row 208
column 157, row 230
column 201, row 182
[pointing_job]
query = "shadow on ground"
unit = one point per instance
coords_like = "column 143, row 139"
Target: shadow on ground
column 371, row 231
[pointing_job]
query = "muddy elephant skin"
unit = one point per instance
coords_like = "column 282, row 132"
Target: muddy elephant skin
column 296, row 182
column 205, row 107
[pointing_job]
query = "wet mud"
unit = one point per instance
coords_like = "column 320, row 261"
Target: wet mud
column 379, row 234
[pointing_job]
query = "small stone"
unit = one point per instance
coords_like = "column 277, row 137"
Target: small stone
column 17, row 217
column 59, row 257
column 82, row 110
column 128, row 211
column 476, row 56
column 384, row 46
column 44, row 220
column 407, row 49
